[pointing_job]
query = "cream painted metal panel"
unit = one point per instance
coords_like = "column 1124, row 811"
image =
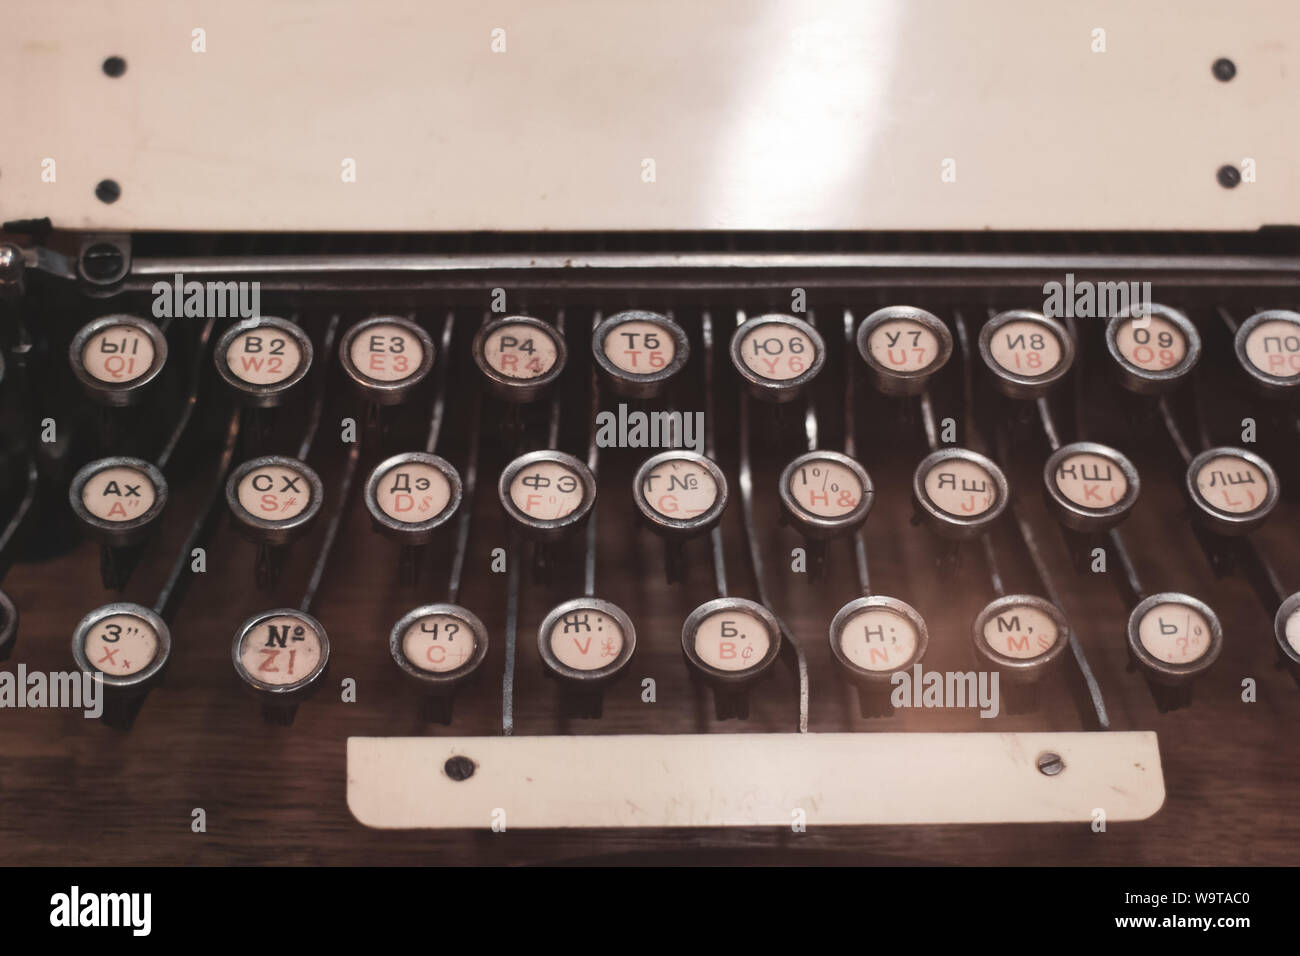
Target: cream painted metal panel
column 696, row 780
column 776, row 114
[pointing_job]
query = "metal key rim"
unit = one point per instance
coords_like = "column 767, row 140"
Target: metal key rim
column 1162, row 671
column 751, row 609
column 901, row 608
column 1022, row 668
column 268, row 530
column 770, row 389
column 386, row 392
column 117, row 394
column 140, row 679
column 438, row 679
column 945, row 522
column 1148, row 382
column 819, row 526
column 516, row 389
column 684, row 527
column 118, row 532
column 904, row 383
column 547, row 527
column 1012, row 383
column 598, row 676
column 1079, row 517
column 1274, row 384
column 281, row 690
column 1227, row 522
column 413, row 532
column 635, row 384
column 263, row 396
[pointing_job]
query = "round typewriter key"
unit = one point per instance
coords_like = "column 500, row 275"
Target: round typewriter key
column 959, row 493
column 1023, row 637
column 873, row 638
column 409, row 496
column 903, row 348
column 274, row 499
column 281, row 656
column 587, row 641
column 1268, row 348
column 585, row 644
column 777, row 355
column 438, row 645
column 115, row 357
column 826, row 494
column 262, row 359
column 125, row 648
column 1234, row 490
column 118, row 499
column 124, row 645
column 547, row 493
column 520, row 356
column 680, row 493
column 1173, row 638
column 1090, row 487
column 730, row 643
column 1286, row 627
column 1026, row 351
column 1021, row 634
column 386, row 357
column 639, row 351
column 1153, row 352
column 8, row 626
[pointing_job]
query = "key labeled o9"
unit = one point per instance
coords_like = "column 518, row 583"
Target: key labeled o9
column 1154, row 350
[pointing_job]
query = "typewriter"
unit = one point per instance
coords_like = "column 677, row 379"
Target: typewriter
column 581, row 435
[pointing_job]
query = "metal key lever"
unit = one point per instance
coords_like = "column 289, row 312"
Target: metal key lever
column 587, row 643
column 119, row 500
column 872, row 637
column 126, row 647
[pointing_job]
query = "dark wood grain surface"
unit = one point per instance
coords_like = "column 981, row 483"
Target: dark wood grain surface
column 73, row 791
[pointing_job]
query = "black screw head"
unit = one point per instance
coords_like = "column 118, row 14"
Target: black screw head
column 459, row 768
column 103, row 262
column 1224, row 69
column 1228, row 176
column 108, row 191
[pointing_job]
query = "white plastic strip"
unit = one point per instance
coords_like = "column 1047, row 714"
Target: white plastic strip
column 578, row 115
column 705, row 780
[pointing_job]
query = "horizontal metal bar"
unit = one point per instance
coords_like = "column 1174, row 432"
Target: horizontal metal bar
column 166, row 267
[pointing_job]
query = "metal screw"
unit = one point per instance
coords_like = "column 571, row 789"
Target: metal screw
column 1050, row 763
column 104, row 262
column 108, row 191
column 459, row 768
column 11, row 270
column 1228, row 176
column 1224, row 69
